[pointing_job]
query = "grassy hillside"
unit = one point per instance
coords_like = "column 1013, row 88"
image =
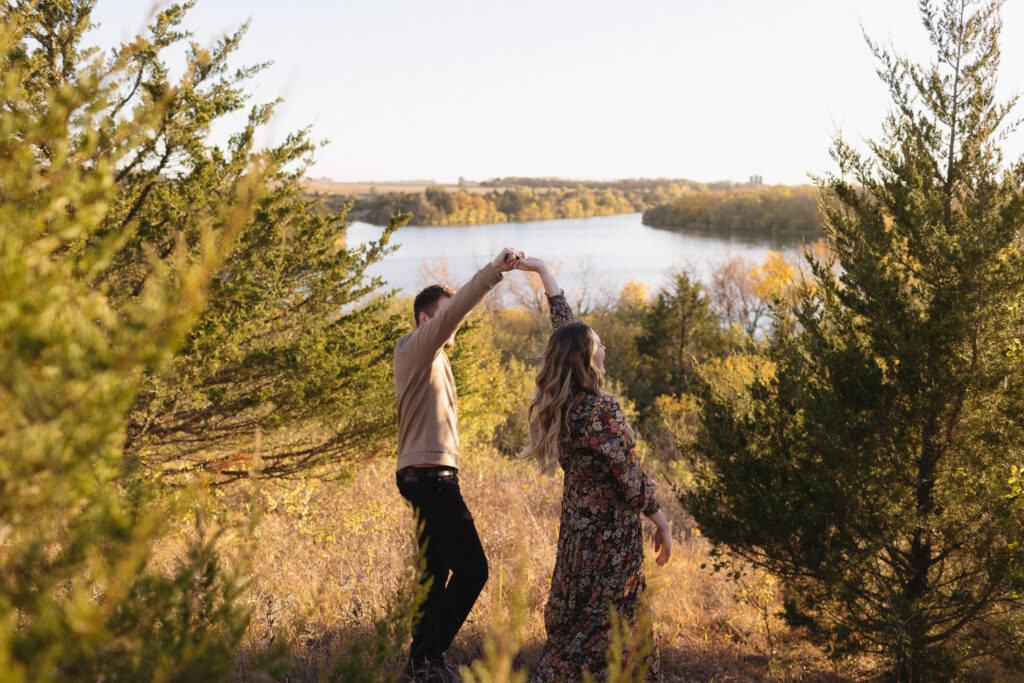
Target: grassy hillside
column 329, row 558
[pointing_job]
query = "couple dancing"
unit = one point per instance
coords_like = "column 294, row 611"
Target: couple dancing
column 599, row 565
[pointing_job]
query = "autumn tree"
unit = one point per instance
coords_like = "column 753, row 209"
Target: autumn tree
column 874, row 468
column 743, row 293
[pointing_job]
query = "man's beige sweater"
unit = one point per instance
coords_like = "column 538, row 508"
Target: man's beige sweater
column 428, row 420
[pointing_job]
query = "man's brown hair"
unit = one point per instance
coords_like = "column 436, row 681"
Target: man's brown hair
column 426, row 300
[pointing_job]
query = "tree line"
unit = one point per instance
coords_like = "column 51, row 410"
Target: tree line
column 622, row 184
column 520, row 203
column 776, row 209
column 681, row 204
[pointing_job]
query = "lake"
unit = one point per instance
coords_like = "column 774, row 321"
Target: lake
column 597, row 254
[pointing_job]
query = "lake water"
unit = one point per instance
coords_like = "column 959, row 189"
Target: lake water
column 597, row 255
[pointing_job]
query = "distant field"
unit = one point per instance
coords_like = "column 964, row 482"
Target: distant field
column 330, row 187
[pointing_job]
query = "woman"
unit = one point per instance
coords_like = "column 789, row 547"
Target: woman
column 600, row 545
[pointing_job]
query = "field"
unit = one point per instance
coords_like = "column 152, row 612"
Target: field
column 328, row 558
column 331, row 187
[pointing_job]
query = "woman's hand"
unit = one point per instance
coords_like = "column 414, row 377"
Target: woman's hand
column 532, row 264
column 662, row 539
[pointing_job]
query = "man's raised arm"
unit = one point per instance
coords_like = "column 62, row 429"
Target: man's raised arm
column 431, row 336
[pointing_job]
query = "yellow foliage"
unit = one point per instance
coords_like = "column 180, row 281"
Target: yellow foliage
column 489, row 390
column 633, row 293
column 773, row 277
column 731, row 375
column 760, row 591
column 677, row 414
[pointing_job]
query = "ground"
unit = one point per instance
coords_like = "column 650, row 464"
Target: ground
column 330, row 557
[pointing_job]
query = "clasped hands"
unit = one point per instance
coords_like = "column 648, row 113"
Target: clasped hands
column 512, row 259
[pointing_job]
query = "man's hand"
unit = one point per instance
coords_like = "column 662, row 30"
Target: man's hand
column 507, row 260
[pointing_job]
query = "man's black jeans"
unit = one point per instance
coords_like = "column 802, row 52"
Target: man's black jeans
column 450, row 543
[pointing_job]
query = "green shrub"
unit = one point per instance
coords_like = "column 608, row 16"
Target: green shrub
column 78, row 599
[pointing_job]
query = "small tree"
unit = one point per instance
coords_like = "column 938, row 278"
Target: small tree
column 873, row 470
column 77, row 599
column 679, row 327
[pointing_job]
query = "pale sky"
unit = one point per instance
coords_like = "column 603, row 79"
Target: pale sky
column 700, row 89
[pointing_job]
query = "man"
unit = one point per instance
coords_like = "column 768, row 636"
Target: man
column 428, row 464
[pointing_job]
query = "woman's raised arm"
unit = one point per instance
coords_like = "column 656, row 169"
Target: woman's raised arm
column 558, row 307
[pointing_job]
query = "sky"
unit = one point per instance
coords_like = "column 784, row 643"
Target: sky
column 441, row 89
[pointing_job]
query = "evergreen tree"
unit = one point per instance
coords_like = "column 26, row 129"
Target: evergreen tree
column 286, row 370
column 78, row 599
column 874, row 470
column 679, row 328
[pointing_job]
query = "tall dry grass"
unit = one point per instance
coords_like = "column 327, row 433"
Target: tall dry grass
column 328, row 558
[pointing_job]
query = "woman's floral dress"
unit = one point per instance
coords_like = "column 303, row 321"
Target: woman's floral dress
column 600, row 561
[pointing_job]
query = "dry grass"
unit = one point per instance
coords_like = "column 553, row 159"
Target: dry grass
column 328, row 558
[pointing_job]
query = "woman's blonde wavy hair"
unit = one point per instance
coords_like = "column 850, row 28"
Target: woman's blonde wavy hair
column 566, row 369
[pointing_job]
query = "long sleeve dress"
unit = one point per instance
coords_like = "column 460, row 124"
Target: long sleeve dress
column 600, row 560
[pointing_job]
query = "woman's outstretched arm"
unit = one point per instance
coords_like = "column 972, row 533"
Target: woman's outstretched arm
column 547, row 278
column 558, row 307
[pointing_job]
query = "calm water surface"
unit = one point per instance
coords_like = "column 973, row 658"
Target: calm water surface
column 596, row 254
